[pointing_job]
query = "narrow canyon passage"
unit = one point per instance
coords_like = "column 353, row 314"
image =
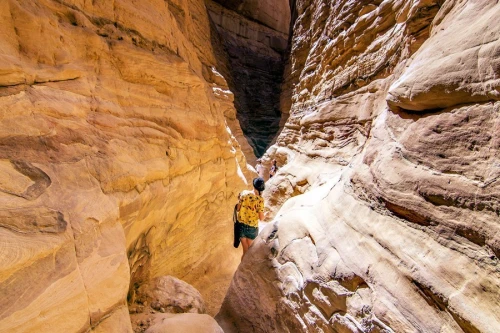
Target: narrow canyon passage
column 384, row 215
column 252, row 39
column 128, row 128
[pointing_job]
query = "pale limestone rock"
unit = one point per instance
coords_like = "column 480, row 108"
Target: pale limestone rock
column 329, row 269
column 459, row 64
column 184, row 322
column 383, row 220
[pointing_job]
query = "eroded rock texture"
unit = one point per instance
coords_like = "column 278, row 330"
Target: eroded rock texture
column 254, row 35
column 116, row 163
column 393, row 143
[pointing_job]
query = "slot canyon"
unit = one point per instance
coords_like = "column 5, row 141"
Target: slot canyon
column 128, row 128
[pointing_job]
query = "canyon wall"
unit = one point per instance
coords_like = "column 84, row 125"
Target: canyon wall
column 117, row 165
column 386, row 213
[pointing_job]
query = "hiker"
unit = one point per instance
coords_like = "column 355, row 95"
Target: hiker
column 273, row 169
column 260, row 169
column 250, row 210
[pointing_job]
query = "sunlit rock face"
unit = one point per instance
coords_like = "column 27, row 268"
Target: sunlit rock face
column 390, row 163
column 116, row 163
column 254, row 35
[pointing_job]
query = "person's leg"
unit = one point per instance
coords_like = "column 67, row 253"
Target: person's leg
column 244, row 243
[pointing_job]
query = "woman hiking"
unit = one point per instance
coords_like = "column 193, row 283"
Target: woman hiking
column 250, row 210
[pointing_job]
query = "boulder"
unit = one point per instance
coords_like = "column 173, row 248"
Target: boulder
column 167, row 294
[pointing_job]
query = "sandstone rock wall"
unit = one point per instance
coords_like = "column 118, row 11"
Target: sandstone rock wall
column 116, row 163
column 390, row 169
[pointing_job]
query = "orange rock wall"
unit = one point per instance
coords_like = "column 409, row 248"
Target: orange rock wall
column 116, row 163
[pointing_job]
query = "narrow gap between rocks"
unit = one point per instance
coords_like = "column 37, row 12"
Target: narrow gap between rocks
column 254, row 46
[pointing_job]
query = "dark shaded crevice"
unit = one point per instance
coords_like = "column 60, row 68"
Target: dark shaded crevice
column 41, row 180
column 472, row 235
column 24, row 85
column 474, row 203
column 435, row 300
column 139, row 255
column 254, row 57
column 464, row 324
column 432, row 112
column 294, row 14
column 440, row 302
column 406, row 213
column 329, row 301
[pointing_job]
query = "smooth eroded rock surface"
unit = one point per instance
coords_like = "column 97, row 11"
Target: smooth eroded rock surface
column 116, row 162
column 184, row 322
column 384, row 219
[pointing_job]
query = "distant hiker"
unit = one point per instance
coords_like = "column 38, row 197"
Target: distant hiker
column 250, row 209
column 273, row 169
column 260, row 169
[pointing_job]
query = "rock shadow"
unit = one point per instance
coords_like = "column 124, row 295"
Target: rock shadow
column 251, row 56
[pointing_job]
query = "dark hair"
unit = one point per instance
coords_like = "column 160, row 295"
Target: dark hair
column 259, row 184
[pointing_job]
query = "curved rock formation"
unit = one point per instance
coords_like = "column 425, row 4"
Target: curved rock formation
column 116, row 162
column 390, row 176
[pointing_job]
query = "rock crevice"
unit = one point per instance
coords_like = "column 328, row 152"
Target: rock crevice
column 254, row 57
